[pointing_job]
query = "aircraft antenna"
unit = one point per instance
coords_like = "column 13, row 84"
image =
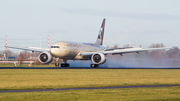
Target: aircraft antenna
column 133, row 44
column 41, row 41
column 6, row 42
column 130, row 45
column 30, row 58
column 6, row 49
column 48, row 41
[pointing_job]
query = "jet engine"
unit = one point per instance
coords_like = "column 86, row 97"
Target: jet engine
column 45, row 57
column 98, row 58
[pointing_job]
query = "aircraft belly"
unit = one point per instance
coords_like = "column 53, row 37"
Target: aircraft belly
column 70, row 54
column 71, row 51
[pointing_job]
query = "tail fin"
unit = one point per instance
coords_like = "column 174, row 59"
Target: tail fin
column 99, row 40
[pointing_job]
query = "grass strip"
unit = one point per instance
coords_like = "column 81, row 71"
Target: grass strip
column 14, row 79
column 128, row 94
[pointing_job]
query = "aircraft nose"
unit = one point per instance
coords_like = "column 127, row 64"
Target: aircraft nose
column 53, row 52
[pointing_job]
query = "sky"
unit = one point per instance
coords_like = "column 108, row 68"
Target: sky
column 29, row 22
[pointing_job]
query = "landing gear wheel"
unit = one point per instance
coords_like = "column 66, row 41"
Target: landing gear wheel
column 64, row 65
column 94, row 65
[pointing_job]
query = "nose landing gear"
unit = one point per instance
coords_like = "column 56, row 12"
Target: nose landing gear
column 57, row 62
column 64, row 64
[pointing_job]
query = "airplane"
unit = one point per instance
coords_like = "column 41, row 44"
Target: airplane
column 82, row 51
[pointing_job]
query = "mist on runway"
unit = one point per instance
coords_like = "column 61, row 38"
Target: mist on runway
column 156, row 58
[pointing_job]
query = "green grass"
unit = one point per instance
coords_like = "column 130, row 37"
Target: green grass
column 130, row 94
column 67, row 78
column 78, row 78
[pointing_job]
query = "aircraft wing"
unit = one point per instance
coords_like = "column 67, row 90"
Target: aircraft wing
column 123, row 51
column 35, row 49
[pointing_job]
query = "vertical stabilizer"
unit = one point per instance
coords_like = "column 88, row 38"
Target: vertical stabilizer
column 99, row 40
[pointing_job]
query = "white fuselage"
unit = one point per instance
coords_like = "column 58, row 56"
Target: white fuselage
column 71, row 50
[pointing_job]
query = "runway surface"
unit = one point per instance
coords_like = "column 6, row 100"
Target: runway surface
column 93, row 88
column 89, row 68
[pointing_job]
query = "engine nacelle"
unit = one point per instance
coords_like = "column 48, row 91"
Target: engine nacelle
column 45, row 57
column 98, row 58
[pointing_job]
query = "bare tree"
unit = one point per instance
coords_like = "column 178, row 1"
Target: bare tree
column 173, row 53
column 115, row 46
column 9, row 53
column 126, row 45
column 24, row 55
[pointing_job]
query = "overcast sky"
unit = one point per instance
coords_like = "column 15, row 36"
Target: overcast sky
column 142, row 21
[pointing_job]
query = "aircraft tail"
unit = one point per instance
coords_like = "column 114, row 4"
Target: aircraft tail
column 99, row 40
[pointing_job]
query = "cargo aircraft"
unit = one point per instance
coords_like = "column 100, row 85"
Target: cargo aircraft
column 82, row 51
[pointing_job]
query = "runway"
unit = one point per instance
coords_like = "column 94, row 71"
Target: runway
column 89, row 68
column 93, row 88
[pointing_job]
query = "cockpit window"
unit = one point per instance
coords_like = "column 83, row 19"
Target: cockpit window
column 55, row 47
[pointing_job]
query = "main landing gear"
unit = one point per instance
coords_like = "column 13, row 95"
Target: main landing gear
column 94, row 65
column 65, row 64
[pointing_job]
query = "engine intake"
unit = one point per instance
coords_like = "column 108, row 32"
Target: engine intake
column 98, row 58
column 45, row 57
